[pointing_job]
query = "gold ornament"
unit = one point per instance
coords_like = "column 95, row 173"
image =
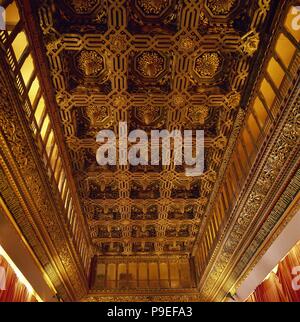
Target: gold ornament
column 150, row 64
column 178, row 100
column 208, row 64
column 148, row 114
column 82, row 6
column 120, row 101
column 234, row 100
column 198, row 114
column 186, row 44
column 90, row 63
column 250, row 44
column 153, row 7
column 220, row 7
column 97, row 114
column 119, row 43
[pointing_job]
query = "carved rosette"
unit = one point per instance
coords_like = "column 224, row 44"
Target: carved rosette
column 221, row 7
column 186, row 44
column 250, row 44
column 120, row 101
column 97, row 114
column 90, row 63
column 148, row 114
column 198, row 114
column 153, row 7
column 150, row 64
column 82, row 6
column 178, row 100
column 208, row 65
column 119, row 42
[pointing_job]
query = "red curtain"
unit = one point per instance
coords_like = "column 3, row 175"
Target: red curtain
column 15, row 291
column 279, row 287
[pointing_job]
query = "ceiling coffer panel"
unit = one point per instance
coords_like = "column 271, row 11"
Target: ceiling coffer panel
column 156, row 64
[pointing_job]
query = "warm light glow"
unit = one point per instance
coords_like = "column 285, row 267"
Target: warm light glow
column 248, row 142
column 268, row 93
column 22, row 279
column 54, row 157
column 260, row 112
column 50, row 143
column 275, row 269
column 276, row 72
column 12, row 14
column 285, row 49
column 19, row 44
column 45, row 127
column 34, row 90
column 27, row 69
column 39, row 113
column 57, row 169
column 252, row 125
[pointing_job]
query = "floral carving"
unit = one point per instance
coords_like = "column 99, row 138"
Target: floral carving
column 148, row 114
column 220, row 7
column 208, row 65
column 198, row 114
column 97, row 114
column 186, row 44
column 82, row 6
column 153, row 7
column 90, row 63
column 250, row 44
column 150, row 64
column 274, row 164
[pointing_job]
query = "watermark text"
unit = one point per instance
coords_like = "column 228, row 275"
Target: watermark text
column 296, row 20
column 2, row 18
column 296, row 280
column 2, row 279
column 161, row 148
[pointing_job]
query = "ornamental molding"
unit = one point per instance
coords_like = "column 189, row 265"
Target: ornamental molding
column 284, row 148
column 36, row 197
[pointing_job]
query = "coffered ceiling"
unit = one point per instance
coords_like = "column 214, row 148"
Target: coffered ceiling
column 156, row 64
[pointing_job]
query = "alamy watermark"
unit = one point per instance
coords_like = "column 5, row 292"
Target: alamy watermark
column 161, row 148
column 2, row 18
column 296, row 20
column 296, row 280
column 2, row 279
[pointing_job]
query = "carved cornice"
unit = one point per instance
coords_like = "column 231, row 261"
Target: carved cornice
column 276, row 167
column 176, row 63
column 30, row 197
column 188, row 295
column 278, row 229
column 235, row 101
column 149, row 298
column 244, row 195
column 265, row 236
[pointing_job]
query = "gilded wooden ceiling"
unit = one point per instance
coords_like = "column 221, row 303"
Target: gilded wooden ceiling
column 156, row 64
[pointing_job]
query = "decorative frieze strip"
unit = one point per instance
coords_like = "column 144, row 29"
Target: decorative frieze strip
column 164, row 298
column 261, row 14
column 22, row 219
column 270, row 225
column 35, row 194
column 285, row 148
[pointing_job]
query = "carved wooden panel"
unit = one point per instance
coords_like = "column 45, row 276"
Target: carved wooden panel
column 159, row 64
